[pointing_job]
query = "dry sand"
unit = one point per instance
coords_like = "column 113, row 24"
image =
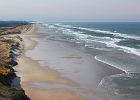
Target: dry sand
column 31, row 72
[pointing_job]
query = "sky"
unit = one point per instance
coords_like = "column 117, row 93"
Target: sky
column 71, row 10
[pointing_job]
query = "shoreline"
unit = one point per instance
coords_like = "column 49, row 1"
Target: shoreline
column 31, row 72
column 28, row 77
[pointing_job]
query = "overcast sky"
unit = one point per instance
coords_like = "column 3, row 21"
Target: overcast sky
column 71, row 10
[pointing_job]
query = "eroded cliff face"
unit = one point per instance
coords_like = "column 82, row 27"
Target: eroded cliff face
column 8, row 46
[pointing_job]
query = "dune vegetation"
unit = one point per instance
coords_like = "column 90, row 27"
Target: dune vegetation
column 8, row 46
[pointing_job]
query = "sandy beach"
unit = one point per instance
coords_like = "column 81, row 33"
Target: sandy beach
column 49, row 79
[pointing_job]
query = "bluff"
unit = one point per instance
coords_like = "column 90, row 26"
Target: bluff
column 8, row 46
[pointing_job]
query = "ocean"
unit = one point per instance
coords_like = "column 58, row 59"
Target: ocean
column 116, row 44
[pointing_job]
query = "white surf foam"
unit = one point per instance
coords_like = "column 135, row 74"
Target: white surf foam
column 87, row 38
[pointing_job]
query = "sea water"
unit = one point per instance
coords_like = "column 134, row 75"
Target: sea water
column 120, row 46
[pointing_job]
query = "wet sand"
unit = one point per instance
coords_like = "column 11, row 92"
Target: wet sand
column 61, row 73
